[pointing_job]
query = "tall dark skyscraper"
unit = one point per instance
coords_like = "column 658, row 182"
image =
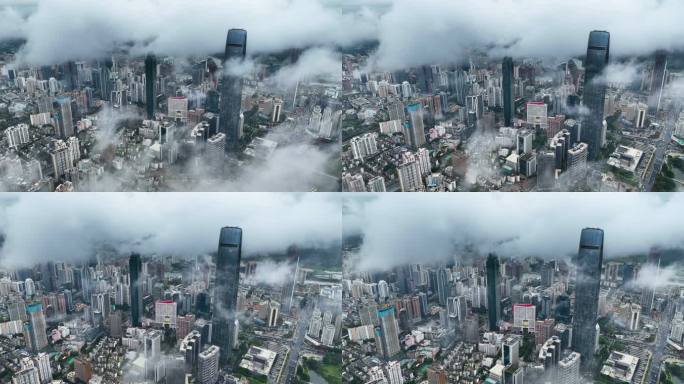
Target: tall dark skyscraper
column 507, row 70
column 594, row 90
column 135, row 271
column 442, row 285
column 587, row 286
column 231, row 88
column 150, row 82
column 226, row 289
column 657, row 82
column 493, row 300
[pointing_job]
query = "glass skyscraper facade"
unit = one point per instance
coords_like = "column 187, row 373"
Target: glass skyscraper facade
column 150, row 79
column 231, row 88
column 507, row 83
column 493, row 301
column 595, row 91
column 226, row 289
column 587, row 287
column 135, row 270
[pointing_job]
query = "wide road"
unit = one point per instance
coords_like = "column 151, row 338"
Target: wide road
column 661, row 342
column 298, row 341
column 661, row 147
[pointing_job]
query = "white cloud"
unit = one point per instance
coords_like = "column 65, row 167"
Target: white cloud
column 69, row 226
column 402, row 228
column 59, row 30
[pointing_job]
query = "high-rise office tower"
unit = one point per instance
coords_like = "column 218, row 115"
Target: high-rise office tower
column 510, row 351
column 390, row 332
column 493, row 302
column 507, row 72
column 594, row 90
column 231, row 90
column 587, row 287
column 442, row 285
column 135, row 271
column 65, row 123
column 150, row 85
column 226, row 289
column 657, row 81
column 546, row 170
column 415, row 132
column 37, row 327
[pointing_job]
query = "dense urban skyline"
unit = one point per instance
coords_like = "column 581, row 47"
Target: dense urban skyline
column 526, row 314
column 240, row 169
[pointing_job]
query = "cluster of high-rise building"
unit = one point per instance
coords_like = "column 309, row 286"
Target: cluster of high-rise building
column 132, row 320
column 509, row 125
column 508, row 320
column 141, row 120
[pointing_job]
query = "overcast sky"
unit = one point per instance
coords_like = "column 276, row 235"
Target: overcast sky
column 58, row 30
column 66, row 226
column 409, row 32
column 408, row 228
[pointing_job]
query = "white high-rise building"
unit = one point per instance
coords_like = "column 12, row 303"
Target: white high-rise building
column 394, row 372
column 392, row 126
column 17, row 135
column 216, row 147
column 569, row 369
column 677, row 331
column 524, row 141
column 178, row 108
column 152, row 344
column 524, row 317
column 577, row 159
column 42, row 362
column 423, row 157
column 165, row 312
column 377, row 184
column 410, row 179
column 61, row 159
column 315, row 326
column 537, row 114
column 74, row 149
column 27, row 375
column 363, row 145
column 406, row 90
column 30, row 287
column 457, row 308
column 383, row 289
column 273, row 311
column 353, row 183
column 207, row 368
column 641, row 110
column 328, row 335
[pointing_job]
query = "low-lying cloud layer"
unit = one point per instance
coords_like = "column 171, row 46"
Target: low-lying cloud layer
column 409, row 32
column 61, row 30
column 399, row 229
column 67, row 227
column 436, row 31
